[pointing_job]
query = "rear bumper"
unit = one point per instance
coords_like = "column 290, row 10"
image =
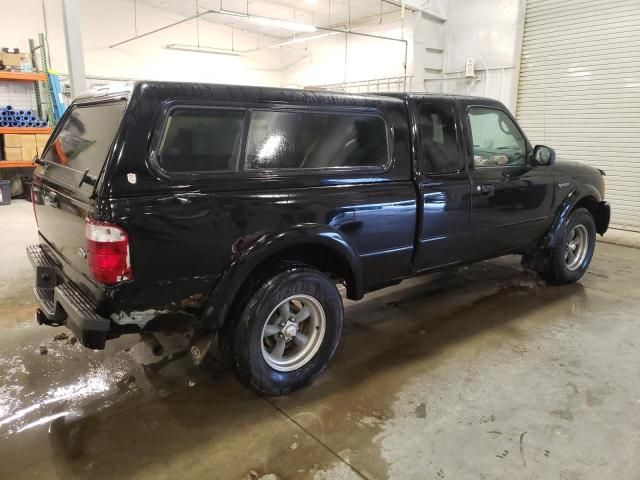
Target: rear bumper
column 61, row 302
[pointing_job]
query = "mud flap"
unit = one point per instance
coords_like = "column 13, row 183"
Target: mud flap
column 537, row 260
column 200, row 344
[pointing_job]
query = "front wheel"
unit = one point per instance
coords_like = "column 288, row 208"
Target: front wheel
column 568, row 261
column 288, row 331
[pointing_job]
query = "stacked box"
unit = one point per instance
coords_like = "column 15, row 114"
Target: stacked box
column 13, row 140
column 41, row 142
column 12, row 154
column 14, row 60
column 23, row 147
column 28, row 148
column 12, row 148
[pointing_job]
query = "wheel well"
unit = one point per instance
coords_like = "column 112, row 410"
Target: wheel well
column 594, row 207
column 320, row 257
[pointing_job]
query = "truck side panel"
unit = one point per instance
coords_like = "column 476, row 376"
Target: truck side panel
column 184, row 233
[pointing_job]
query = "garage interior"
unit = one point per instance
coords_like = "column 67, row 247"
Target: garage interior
column 479, row 372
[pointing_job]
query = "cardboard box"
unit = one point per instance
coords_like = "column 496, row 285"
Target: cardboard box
column 12, row 140
column 28, row 153
column 42, row 138
column 14, row 60
column 12, row 154
column 28, row 140
column 40, row 149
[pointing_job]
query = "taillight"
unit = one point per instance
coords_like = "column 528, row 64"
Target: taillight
column 107, row 252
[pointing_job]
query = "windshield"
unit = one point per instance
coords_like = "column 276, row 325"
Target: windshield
column 84, row 141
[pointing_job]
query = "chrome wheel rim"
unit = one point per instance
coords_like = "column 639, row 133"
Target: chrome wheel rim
column 576, row 247
column 293, row 333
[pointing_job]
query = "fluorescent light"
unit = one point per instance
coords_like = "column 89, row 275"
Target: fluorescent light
column 200, row 49
column 304, row 39
column 275, row 23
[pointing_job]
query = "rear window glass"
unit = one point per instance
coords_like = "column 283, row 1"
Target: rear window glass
column 306, row 140
column 84, row 140
column 201, row 140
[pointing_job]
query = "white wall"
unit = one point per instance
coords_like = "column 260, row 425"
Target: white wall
column 438, row 8
column 487, row 32
column 105, row 23
column 339, row 58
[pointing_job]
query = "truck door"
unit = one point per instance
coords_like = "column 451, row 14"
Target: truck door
column 445, row 191
column 511, row 200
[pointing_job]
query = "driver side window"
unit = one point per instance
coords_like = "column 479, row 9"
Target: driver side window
column 496, row 140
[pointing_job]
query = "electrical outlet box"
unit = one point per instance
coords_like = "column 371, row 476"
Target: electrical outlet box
column 469, row 68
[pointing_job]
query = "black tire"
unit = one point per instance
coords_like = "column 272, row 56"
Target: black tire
column 246, row 353
column 557, row 271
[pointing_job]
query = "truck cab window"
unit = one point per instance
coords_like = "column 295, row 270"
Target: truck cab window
column 496, row 140
column 440, row 152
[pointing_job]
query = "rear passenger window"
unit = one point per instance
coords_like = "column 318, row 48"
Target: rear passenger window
column 201, row 140
column 305, row 140
column 439, row 142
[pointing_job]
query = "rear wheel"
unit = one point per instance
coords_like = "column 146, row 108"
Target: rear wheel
column 288, row 331
column 570, row 259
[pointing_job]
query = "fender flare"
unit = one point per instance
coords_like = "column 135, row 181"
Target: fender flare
column 554, row 234
column 267, row 246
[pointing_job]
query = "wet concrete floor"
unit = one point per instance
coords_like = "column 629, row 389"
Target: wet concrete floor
column 481, row 373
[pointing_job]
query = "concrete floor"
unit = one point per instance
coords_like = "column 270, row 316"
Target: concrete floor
column 483, row 373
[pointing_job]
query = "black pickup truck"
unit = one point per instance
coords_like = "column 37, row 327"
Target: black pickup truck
column 233, row 213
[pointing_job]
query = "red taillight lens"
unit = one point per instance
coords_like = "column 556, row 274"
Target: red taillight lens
column 108, row 252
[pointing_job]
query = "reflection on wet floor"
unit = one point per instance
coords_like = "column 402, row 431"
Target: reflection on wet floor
column 458, row 361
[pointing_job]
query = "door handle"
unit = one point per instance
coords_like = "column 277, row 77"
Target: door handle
column 487, row 190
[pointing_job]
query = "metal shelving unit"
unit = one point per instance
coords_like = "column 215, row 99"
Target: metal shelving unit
column 22, row 77
column 19, row 130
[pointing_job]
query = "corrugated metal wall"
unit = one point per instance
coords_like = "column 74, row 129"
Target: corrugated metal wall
column 579, row 90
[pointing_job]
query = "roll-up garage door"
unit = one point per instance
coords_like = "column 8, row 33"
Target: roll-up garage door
column 579, row 90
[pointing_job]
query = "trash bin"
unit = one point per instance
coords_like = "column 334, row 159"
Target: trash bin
column 5, row 192
column 26, row 187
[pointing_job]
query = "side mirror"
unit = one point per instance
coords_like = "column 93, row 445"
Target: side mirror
column 544, row 156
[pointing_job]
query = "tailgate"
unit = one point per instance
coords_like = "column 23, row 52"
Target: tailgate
column 62, row 197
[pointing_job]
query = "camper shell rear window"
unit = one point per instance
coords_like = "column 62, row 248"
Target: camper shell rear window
column 83, row 141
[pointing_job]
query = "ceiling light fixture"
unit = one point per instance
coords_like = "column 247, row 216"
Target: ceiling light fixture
column 304, row 39
column 276, row 23
column 201, row 49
